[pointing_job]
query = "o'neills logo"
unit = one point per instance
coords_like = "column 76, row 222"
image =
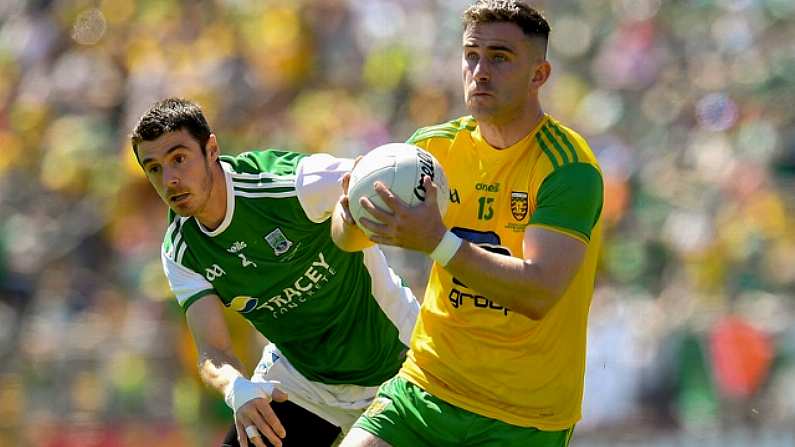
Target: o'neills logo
column 426, row 168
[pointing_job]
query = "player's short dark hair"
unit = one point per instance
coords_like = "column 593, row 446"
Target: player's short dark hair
column 529, row 19
column 171, row 115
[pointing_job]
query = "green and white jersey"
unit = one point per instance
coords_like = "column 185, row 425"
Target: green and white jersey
column 338, row 317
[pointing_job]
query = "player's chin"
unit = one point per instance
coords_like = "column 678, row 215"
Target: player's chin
column 480, row 106
column 182, row 209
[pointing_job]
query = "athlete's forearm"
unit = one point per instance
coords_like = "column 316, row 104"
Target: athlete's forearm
column 219, row 369
column 518, row 284
column 346, row 236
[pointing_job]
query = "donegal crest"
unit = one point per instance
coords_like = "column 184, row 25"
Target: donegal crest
column 519, row 205
column 278, row 242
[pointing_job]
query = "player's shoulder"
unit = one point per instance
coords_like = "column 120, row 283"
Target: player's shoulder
column 270, row 161
column 444, row 131
column 562, row 146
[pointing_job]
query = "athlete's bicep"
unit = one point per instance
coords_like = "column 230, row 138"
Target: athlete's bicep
column 559, row 255
column 319, row 184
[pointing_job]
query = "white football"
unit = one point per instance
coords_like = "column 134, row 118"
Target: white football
column 400, row 168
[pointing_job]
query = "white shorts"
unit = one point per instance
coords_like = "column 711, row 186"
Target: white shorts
column 339, row 404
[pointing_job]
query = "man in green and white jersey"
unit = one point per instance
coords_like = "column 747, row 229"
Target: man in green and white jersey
column 252, row 233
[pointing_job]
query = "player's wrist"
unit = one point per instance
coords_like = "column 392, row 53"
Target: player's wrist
column 446, row 248
column 242, row 390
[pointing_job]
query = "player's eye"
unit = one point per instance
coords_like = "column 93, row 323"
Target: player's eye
column 153, row 169
column 499, row 58
column 179, row 158
column 471, row 56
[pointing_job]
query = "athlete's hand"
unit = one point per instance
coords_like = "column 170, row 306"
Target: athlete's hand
column 347, row 217
column 251, row 401
column 416, row 228
column 345, row 209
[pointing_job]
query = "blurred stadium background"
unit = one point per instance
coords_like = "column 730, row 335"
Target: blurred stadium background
column 689, row 104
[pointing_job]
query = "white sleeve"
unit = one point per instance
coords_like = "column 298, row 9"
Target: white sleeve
column 187, row 285
column 318, row 184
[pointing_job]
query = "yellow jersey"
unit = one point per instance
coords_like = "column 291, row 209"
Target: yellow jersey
column 471, row 351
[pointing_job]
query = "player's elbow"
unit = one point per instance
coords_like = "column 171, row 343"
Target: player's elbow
column 543, row 289
column 539, row 302
column 537, row 308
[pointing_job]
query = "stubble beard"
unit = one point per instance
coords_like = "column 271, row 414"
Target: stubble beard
column 205, row 190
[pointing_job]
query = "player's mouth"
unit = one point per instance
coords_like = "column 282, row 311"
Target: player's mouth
column 178, row 199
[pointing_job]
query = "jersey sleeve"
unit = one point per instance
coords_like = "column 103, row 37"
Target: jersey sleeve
column 570, row 200
column 187, row 285
column 318, row 184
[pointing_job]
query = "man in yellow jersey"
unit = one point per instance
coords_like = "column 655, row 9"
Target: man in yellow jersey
column 498, row 353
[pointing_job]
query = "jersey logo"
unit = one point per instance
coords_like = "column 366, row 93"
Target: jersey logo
column 237, row 247
column 519, row 205
column 454, row 198
column 214, row 272
column 244, row 304
column 377, row 406
column 278, row 242
column 487, row 187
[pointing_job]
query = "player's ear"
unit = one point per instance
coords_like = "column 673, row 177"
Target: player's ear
column 541, row 74
column 212, row 148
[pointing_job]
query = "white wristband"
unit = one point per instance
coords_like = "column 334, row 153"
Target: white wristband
column 244, row 390
column 446, row 249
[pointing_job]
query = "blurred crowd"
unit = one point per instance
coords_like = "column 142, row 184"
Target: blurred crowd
column 688, row 105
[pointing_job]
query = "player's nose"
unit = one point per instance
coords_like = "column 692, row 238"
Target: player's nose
column 481, row 72
column 170, row 177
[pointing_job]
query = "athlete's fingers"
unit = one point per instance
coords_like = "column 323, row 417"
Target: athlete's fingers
column 382, row 215
column 431, row 190
column 271, row 419
column 391, row 200
column 242, row 438
column 376, row 228
column 243, row 421
column 379, row 239
column 264, row 430
column 346, row 181
column 345, row 206
column 356, row 161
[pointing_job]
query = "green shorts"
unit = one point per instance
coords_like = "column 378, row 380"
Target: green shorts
column 404, row 415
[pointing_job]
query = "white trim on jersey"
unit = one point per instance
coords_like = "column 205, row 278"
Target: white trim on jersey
column 177, row 240
column 318, row 183
column 181, row 252
column 184, row 282
column 262, row 193
column 261, row 175
column 171, row 229
column 397, row 302
column 178, row 221
column 290, row 183
column 230, row 204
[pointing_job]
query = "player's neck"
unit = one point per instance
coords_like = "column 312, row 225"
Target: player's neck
column 215, row 210
column 501, row 135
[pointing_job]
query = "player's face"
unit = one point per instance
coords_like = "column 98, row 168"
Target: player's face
column 179, row 171
column 499, row 66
